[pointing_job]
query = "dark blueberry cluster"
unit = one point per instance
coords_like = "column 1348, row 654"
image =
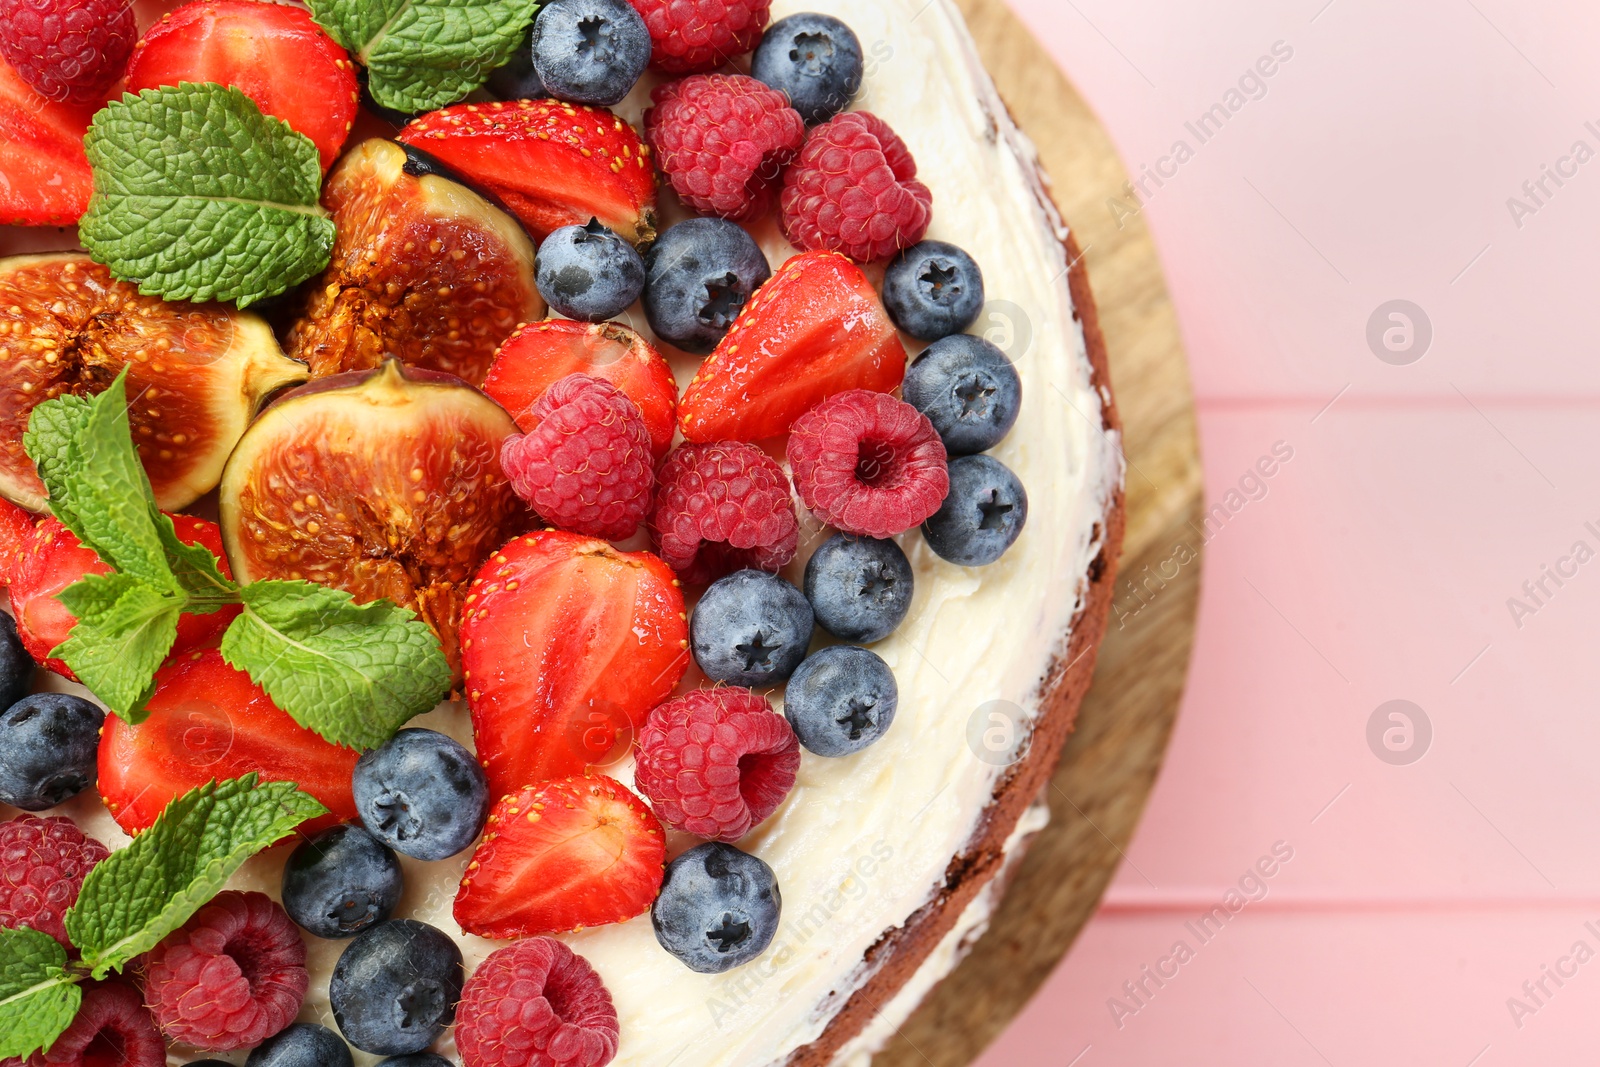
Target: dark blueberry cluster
column 49, row 742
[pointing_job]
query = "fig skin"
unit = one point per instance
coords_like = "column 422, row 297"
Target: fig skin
column 384, row 483
column 197, row 372
column 424, row 269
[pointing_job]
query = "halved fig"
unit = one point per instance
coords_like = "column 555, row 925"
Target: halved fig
column 383, row 483
column 424, row 270
column 196, row 372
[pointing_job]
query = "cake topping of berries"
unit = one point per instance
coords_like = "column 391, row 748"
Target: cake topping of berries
column 49, row 744
column 231, row 977
column 586, row 464
column 43, row 863
column 723, row 507
column 723, row 140
column 45, row 178
column 815, row 60
column 860, row 587
column 969, row 390
column 69, row 50
column 589, row 273
column 816, row 329
column 854, row 190
column 698, row 278
column 841, row 700
column 716, row 762
column 868, row 464
column 302, row 1045
column 688, row 36
column 560, row 856
column 933, row 289
column 341, row 881
column 718, row 909
column 422, row 793
column 982, row 517
column 750, row 628
column 396, row 986
column 112, row 1029
column 589, row 51
column 536, row 1004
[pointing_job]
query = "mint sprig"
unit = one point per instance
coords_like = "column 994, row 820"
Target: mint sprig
column 354, row 673
column 200, row 196
column 38, row 995
column 424, row 54
column 137, row 896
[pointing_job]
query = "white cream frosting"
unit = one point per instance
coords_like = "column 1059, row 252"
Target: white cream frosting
column 863, row 842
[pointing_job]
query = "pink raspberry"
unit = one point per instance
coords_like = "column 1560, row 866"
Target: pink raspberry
column 854, row 190
column 112, row 1029
column 536, row 1004
column 71, row 51
column 869, row 464
column 586, row 466
column 723, row 507
column 716, row 762
column 233, row 976
column 687, row 36
column 43, row 863
column 723, row 140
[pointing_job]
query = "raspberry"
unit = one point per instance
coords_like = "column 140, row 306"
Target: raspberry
column 689, row 36
column 723, row 140
column 723, row 507
column 42, row 866
column 536, row 1004
column 233, row 976
column 71, row 51
column 112, row 1029
column 715, row 762
column 586, row 464
column 869, row 464
column 854, row 190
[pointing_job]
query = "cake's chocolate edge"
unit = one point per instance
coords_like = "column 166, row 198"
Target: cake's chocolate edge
column 895, row 958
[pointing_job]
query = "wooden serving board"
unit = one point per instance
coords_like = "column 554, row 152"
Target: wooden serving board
column 1110, row 764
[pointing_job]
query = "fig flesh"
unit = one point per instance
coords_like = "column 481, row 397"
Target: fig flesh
column 424, row 270
column 383, row 483
column 198, row 372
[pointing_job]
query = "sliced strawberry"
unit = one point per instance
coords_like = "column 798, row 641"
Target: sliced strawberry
column 567, row 645
column 16, row 539
column 272, row 53
column 556, row 857
column 553, row 164
column 208, row 721
column 815, row 329
column 541, row 354
column 44, row 173
column 56, row 558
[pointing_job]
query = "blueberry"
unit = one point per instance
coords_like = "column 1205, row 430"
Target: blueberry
column 751, row 628
column 859, row 587
column 589, row 51
column 301, row 1045
column 699, row 276
column 841, row 700
column 517, row 80
column 419, row 1059
column 588, row 273
column 815, row 59
column 718, row 908
column 933, row 290
column 16, row 666
column 209, row 1063
column 422, row 794
column 340, row 882
column 982, row 516
column 48, row 748
column 968, row 389
column 396, row 986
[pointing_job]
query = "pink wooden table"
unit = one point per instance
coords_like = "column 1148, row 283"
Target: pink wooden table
column 1433, row 538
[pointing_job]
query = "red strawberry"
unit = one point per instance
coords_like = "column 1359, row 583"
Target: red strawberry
column 541, row 354
column 208, row 721
column 576, row 852
column 567, row 644
column 16, row 538
column 56, row 558
column 44, row 173
column 553, row 164
column 272, row 53
column 816, row 329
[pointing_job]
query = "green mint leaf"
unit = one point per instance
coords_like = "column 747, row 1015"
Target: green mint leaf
column 424, row 54
column 199, row 196
column 126, row 627
column 352, row 672
column 38, row 995
column 142, row 893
